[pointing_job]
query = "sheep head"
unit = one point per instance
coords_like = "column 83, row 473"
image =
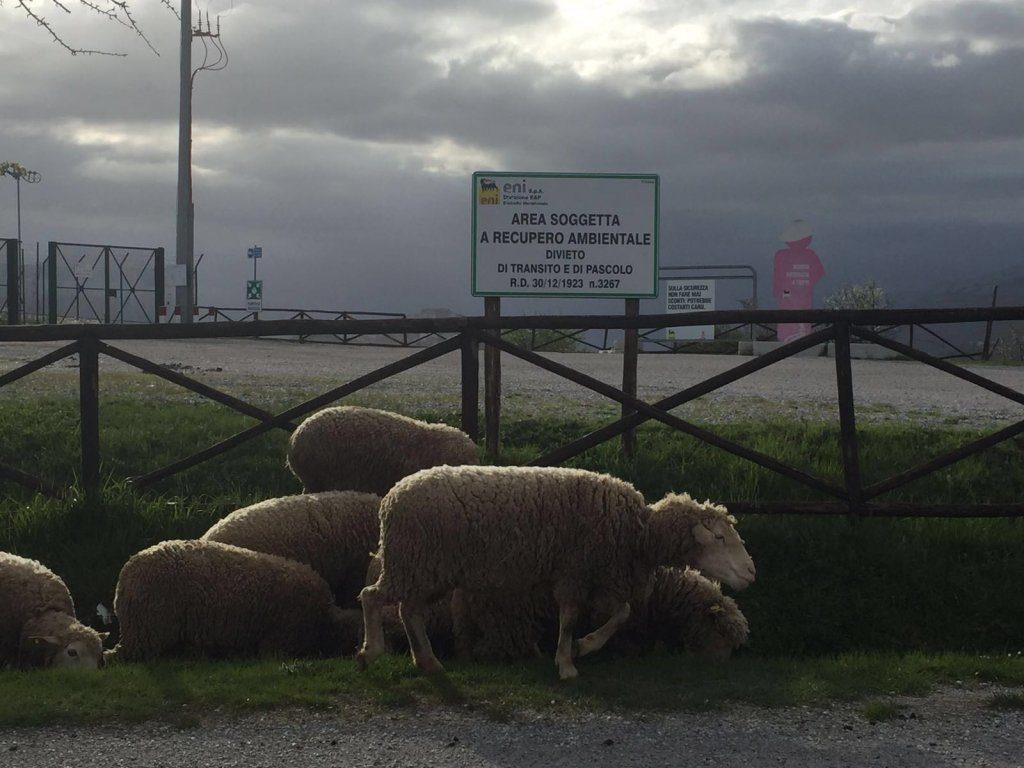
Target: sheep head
column 57, row 640
column 690, row 613
column 703, row 536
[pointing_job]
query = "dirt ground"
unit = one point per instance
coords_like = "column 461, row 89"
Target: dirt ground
column 951, row 727
column 800, row 387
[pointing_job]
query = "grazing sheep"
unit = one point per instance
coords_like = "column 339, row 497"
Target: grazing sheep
column 683, row 612
column 37, row 620
column 687, row 612
column 210, row 599
column 590, row 537
column 334, row 533
column 347, row 448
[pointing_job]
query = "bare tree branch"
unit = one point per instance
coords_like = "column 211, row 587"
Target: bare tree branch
column 115, row 10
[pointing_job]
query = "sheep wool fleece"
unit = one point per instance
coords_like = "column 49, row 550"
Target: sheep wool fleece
column 509, row 528
column 30, row 593
column 364, row 449
column 333, row 532
column 213, row 599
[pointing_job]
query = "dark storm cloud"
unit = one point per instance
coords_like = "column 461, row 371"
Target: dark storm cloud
column 1002, row 22
column 900, row 148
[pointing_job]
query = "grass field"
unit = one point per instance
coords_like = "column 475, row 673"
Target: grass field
column 841, row 608
column 184, row 691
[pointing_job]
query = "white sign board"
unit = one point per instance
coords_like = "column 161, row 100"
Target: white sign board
column 690, row 296
column 549, row 234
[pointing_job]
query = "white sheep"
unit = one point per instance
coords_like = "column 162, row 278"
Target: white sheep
column 333, row 532
column 591, row 537
column 211, row 599
column 37, row 619
column 684, row 611
column 364, row 449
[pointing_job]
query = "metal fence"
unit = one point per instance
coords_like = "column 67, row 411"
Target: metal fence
column 10, row 273
column 104, row 283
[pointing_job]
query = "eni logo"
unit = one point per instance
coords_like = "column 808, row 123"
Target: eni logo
column 489, row 194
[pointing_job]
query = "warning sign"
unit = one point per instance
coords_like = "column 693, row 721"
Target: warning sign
column 690, row 296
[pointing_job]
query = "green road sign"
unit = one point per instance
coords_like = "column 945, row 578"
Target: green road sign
column 253, row 289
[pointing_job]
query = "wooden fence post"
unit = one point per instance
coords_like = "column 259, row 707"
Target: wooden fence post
column 470, row 383
column 89, row 411
column 492, row 382
column 630, row 353
column 847, row 419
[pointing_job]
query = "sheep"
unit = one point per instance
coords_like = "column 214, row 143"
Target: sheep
column 333, row 532
column 684, row 611
column 687, row 611
column 206, row 598
column 363, row 449
column 37, row 620
column 589, row 537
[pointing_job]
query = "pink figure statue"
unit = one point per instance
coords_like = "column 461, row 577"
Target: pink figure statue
column 797, row 269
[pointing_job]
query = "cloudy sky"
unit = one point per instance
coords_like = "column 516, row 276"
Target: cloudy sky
column 341, row 137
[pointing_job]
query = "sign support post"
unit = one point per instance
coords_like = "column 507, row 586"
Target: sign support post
column 630, row 355
column 492, row 383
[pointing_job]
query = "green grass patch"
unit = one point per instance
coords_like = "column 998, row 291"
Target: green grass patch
column 826, row 586
column 183, row 692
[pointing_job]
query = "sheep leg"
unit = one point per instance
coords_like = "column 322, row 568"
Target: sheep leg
column 597, row 639
column 419, row 643
column 567, row 615
column 373, row 627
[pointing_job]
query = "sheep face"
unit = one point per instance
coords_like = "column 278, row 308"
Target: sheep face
column 81, row 652
column 721, row 554
column 702, row 536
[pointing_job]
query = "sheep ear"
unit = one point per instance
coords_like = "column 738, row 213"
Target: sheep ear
column 703, row 534
column 103, row 636
column 41, row 641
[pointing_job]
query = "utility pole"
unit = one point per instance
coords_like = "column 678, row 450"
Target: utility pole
column 183, row 244
column 185, row 231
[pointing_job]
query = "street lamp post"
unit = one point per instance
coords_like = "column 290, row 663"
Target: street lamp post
column 18, row 172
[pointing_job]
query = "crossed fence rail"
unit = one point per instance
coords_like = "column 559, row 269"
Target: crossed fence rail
column 465, row 335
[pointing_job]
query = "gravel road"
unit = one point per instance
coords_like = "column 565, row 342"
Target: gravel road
column 802, row 387
column 948, row 728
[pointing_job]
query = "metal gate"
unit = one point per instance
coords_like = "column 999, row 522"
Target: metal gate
column 104, row 283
